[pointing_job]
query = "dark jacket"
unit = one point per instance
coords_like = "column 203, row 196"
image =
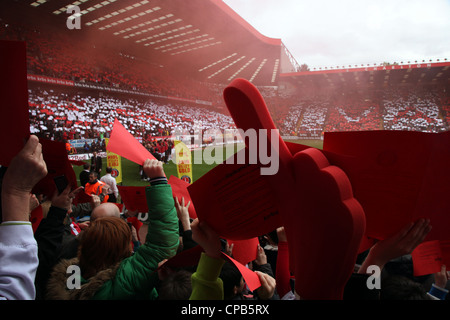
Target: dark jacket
column 96, row 164
column 84, row 177
column 49, row 237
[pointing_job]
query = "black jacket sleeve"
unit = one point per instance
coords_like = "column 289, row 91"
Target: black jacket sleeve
column 49, row 236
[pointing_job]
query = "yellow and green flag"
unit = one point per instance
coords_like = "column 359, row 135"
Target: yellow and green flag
column 114, row 161
column 183, row 161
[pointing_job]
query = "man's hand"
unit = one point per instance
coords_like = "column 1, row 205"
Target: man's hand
column 153, row 168
column 207, row 238
column 183, row 213
column 401, row 243
column 268, row 285
column 34, row 202
column 26, row 169
column 441, row 277
column 261, row 257
column 95, row 201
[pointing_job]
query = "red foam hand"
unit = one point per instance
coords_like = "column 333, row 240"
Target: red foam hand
column 325, row 231
column 124, row 144
column 327, row 220
column 236, row 201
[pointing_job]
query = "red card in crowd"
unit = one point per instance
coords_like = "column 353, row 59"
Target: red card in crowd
column 124, row 144
column 427, row 258
column 251, row 278
column 58, row 164
column 14, row 121
column 134, row 198
column 179, row 190
column 244, row 251
column 398, row 177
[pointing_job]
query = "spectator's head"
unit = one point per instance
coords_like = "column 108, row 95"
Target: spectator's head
column 108, row 169
column 106, row 242
column 86, row 166
column 93, row 176
column 396, row 287
column 176, row 286
column 105, row 210
column 233, row 282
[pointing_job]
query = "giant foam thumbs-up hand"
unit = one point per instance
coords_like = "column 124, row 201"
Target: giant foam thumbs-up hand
column 325, row 232
column 324, row 223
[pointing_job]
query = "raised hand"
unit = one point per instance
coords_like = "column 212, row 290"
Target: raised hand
column 207, row 238
column 26, row 169
column 153, row 168
column 401, row 243
column 268, row 285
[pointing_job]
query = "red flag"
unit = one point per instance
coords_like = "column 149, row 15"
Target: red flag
column 124, row 144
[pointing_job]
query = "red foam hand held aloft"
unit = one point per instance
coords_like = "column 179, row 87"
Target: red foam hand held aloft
column 328, row 219
column 325, row 231
column 328, row 212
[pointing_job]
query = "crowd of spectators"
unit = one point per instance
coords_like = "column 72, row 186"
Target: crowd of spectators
column 82, row 59
column 66, row 116
column 407, row 109
column 97, row 250
column 416, row 111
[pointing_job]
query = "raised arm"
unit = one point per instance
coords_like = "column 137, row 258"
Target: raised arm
column 401, row 243
column 18, row 248
column 206, row 284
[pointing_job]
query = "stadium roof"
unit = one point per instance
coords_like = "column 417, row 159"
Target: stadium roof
column 204, row 39
column 412, row 73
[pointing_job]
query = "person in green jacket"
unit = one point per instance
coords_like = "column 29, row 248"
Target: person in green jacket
column 105, row 268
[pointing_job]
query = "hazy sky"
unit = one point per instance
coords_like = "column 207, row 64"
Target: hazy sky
column 325, row 33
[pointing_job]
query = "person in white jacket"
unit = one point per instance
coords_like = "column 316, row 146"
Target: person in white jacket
column 18, row 248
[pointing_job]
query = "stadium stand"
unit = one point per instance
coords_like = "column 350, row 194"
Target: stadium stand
column 323, row 100
column 60, row 115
